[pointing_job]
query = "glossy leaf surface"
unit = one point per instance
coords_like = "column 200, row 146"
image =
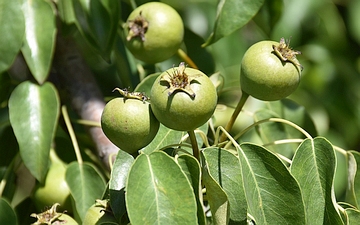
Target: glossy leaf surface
column 39, row 43
column 12, row 33
column 34, row 112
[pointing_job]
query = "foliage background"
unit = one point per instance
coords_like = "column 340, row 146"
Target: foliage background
column 326, row 32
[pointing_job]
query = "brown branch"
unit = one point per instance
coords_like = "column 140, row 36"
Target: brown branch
column 79, row 84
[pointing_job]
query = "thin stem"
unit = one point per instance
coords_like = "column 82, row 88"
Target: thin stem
column 89, row 123
column 235, row 114
column 133, row 4
column 194, row 145
column 186, row 58
column 72, row 134
column 279, row 120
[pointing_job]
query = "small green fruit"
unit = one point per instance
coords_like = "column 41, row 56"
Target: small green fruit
column 266, row 76
column 55, row 188
column 154, row 32
column 183, row 98
column 129, row 123
column 97, row 214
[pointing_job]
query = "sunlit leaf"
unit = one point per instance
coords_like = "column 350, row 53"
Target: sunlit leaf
column 117, row 183
column 191, row 167
column 85, row 184
column 272, row 193
column 224, row 167
column 12, row 33
column 314, row 166
column 232, row 15
column 7, row 214
column 34, row 112
column 40, row 31
column 153, row 196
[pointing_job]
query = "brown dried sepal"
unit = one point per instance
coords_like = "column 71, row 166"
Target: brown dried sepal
column 285, row 53
column 179, row 80
column 134, row 95
column 137, row 28
column 47, row 217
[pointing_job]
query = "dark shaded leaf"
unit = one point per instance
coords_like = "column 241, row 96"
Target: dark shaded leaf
column 353, row 188
column 191, row 167
column 7, row 213
column 217, row 198
column 117, row 183
column 98, row 22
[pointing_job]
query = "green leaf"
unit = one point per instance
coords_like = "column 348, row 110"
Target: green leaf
column 314, row 166
column 224, row 167
column 117, row 183
column 232, row 15
column 66, row 11
column 40, row 32
column 158, row 192
column 217, row 198
column 7, row 214
column 163, row 138
column 191, row 167
column 353, row 216
column 98, row 22
column 12, row 33
column 353, row 189
column 201, row 56
column 146, row 84
column 272, row 193
column 269, row 14
column 85, row 184
column 34, row 111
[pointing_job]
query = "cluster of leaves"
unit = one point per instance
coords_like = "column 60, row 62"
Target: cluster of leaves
column 270, row 172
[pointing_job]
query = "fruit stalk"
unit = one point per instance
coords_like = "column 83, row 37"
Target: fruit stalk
column 186, row 58
column 235, row 114
column 196, row 151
